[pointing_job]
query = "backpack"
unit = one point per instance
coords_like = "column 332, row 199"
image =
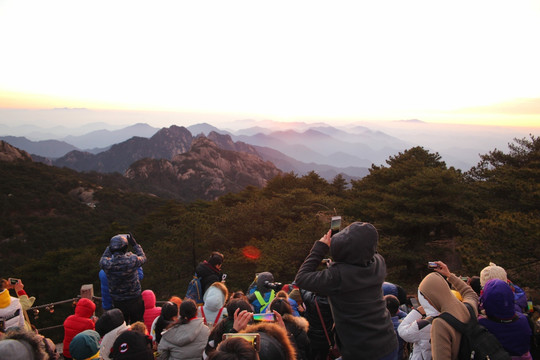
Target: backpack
column 195, row 291
column 476, row 341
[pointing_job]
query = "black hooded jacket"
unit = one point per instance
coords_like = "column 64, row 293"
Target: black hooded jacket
column 353, row 284
column 208, row 274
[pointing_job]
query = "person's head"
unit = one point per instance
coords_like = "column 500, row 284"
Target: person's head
column 110, row 320
column 22, row 345
column 169, row 311
column 84, row 345
column 216, row 259
column 238, row 295
column 274, row 344
column 497, row 300
column 282, row 306
column 356, row 244
column 474, row 283
column 50, row 349
column 188, row 310
column 392, row 304
column 139, row 326
column 282, row 294
column 492, row 271
column 234, row 304
column 218, row 288
column 434, row 293
column 264, row 278
column 175, row 299
column 119, row 243
column 234, row 349
column 132, row 345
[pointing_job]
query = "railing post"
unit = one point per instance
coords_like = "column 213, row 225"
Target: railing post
column 87, row 291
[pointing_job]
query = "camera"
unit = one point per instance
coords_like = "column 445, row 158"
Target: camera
column 335, row 224
column 432, row 265
column 13, row 281
column 273, row 285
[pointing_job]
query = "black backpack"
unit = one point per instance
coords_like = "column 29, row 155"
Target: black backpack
column 476, row 341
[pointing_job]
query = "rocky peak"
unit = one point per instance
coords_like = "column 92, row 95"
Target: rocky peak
column 11, row 153
column 205, row 172
column 225, row 141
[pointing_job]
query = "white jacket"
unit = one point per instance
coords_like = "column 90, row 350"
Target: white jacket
column 108, row 340
column 416, row 331
column 13, row 313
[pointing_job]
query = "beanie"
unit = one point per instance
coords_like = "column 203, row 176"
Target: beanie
column 5, row 299
column 16, row 350
column 132, row 345
column 492, row 272
column 84, row 345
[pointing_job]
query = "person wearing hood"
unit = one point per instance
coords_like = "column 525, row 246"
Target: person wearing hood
column 509, row 326
column 79, row 322
column 151, row 311
column 109, row 326
column 353, row 285
column 261, row 295
column 415, row 328
column 209, row 271
column 121, row 268
column 214, row 309
column 186, row 338
column 493, row 271
column 434, row 292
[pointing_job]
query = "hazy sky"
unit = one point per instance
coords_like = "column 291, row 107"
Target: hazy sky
column 439, row 61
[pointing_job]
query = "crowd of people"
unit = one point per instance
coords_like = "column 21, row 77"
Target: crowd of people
column 341, row 309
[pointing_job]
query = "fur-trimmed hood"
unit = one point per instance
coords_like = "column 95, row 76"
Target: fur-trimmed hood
column 275, row 344
column 298, row 321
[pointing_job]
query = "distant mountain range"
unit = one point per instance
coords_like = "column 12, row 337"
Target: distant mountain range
column 298, row 147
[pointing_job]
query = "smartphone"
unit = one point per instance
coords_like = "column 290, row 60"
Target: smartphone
column 335, row 224
column 253, row 338
column 13, row 281
column 266, row 317
column 464, row 278
column 432, row 265
column 530, row 307
column 415, row 303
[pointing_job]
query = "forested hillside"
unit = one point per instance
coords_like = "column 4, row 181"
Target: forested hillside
column 56, row 223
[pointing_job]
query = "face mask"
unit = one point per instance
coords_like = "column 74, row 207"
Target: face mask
column 428, row 308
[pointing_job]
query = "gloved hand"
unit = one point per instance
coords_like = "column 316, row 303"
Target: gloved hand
column 131, row 240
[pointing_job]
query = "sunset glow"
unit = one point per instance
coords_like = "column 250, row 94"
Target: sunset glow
column 344, row 61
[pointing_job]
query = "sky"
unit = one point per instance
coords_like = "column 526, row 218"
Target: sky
column 473, row 62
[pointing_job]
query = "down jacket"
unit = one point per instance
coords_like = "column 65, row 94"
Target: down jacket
column 78, row 322
column 151, row 312
column 184, row 341
column 122, row 274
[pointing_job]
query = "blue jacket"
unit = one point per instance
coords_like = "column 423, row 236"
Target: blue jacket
column 122, row 274
column 106, row 300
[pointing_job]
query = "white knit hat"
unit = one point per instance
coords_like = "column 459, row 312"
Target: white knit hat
column 492, row 272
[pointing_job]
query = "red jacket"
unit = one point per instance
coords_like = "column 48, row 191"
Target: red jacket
column 79, row 322
column 151, row 312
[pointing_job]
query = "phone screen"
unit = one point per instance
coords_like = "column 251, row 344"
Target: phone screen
column 267, row 317
column 335, row 224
